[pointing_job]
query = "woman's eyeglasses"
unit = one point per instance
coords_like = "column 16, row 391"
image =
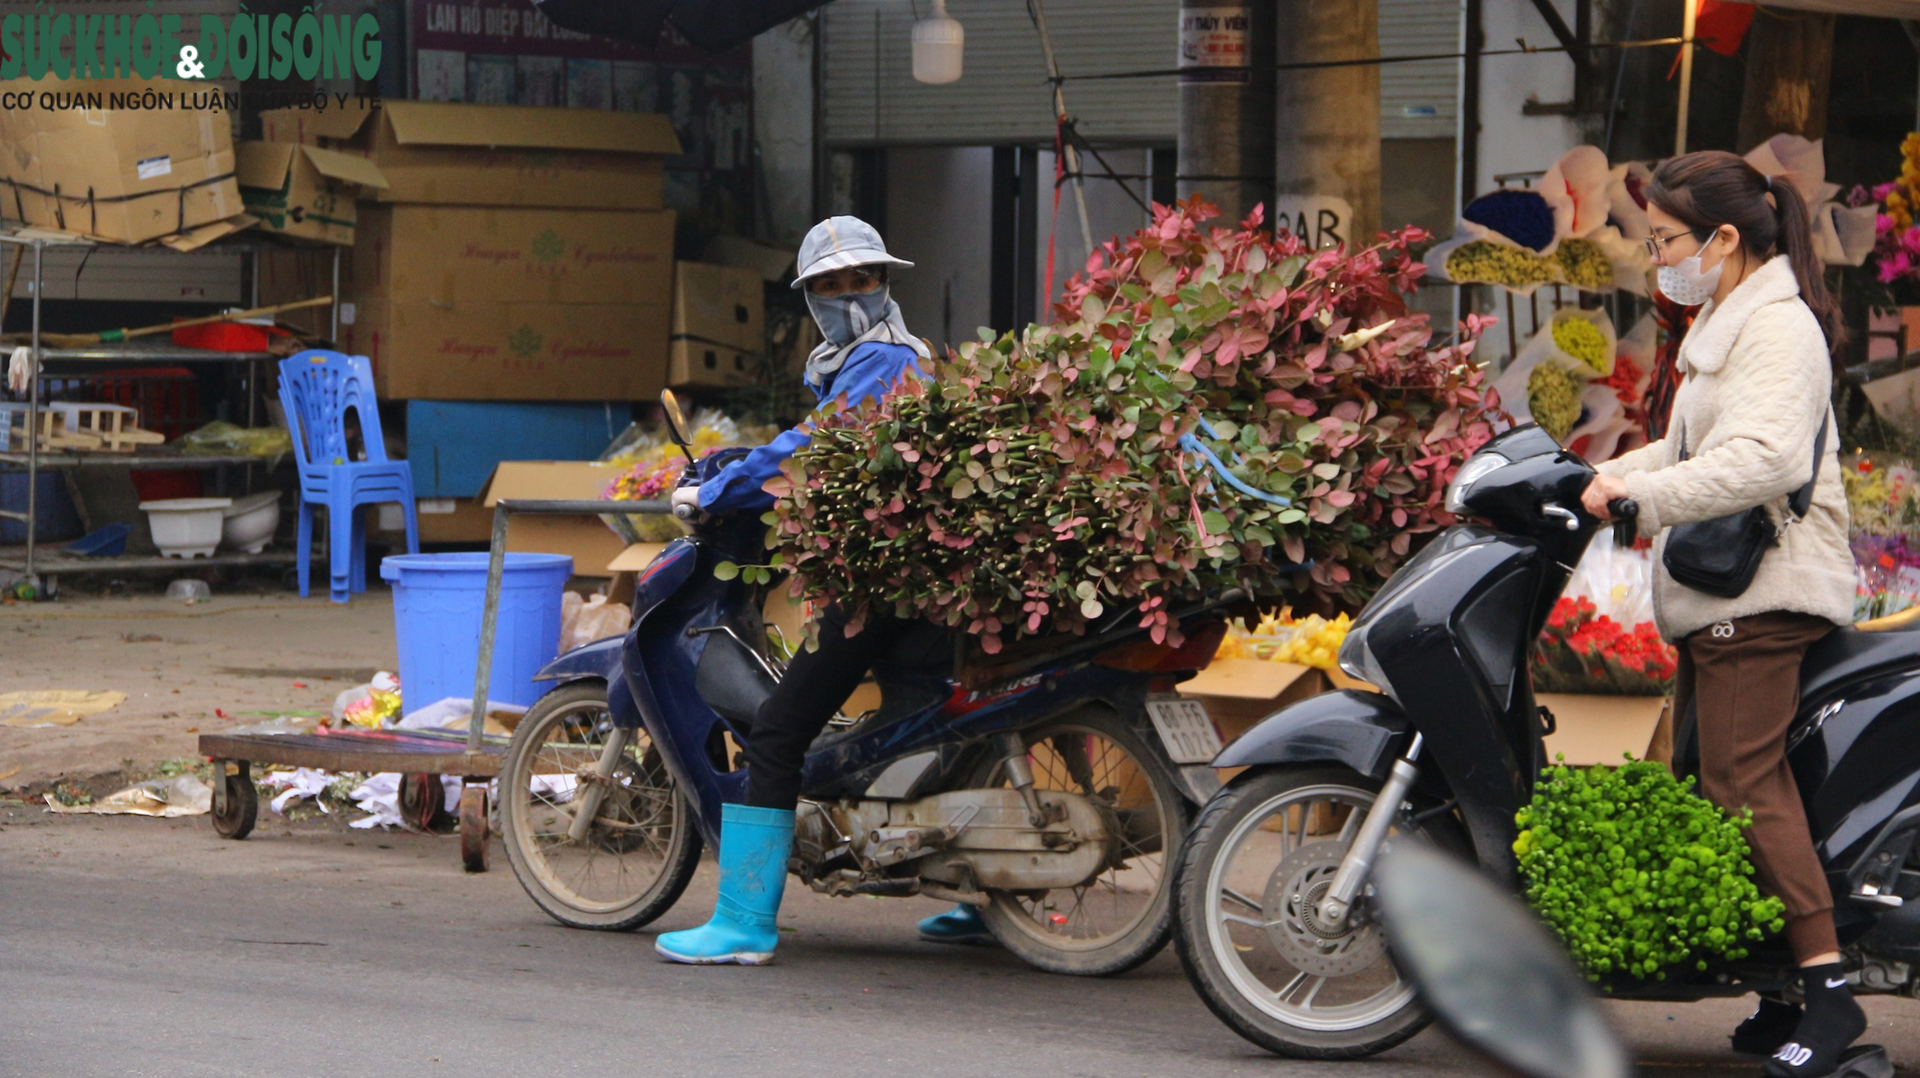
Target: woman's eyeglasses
column 1657, row 244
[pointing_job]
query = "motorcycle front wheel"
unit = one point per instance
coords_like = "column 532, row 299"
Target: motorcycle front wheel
column 1123, row 915
column 1263, row 853
column 642, row 848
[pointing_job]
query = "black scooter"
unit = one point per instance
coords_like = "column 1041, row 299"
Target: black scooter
column 1276, row 915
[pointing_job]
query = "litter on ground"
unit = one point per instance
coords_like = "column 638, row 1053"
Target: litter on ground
column 181, row 795
column 34, row 708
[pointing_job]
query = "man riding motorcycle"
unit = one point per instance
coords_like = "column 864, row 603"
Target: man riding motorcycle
column 843, row 266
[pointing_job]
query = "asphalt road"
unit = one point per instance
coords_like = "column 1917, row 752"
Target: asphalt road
column 134, row 946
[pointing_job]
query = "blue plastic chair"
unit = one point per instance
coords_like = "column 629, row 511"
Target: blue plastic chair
column 316, row 389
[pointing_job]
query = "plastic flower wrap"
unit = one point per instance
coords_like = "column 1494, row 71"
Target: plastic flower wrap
column 1279, row 637
column 1883, row 502
column 1584, row 652
column 653, row 469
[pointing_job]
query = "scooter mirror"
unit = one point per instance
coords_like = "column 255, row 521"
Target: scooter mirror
column 677, row 422
column 1495, row 978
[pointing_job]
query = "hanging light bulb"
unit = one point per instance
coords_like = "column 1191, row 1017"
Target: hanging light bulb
column 938, row 42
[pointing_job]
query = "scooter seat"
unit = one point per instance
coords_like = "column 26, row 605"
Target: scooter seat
column 1847, row 653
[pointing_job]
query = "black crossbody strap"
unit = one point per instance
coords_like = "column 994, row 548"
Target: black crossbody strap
column 1802, row 499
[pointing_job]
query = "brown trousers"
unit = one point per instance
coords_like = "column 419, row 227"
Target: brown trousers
column 1743, row 676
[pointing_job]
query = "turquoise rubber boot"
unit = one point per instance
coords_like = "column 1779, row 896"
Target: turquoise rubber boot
column 753, row 876
column 961, row 924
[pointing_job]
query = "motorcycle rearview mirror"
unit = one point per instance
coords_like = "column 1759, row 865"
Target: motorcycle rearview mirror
column 677, row 427
column 1493, row 975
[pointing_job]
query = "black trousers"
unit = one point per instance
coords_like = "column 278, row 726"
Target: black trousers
column 815, row 685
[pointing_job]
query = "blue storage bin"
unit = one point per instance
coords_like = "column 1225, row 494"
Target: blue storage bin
column 438, row 600
column 56, row 518
column 453, row 446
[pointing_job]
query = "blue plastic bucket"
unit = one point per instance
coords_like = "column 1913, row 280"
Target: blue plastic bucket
column 437, row 604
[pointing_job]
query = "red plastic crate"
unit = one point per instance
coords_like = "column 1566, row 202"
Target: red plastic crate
column 227, row 336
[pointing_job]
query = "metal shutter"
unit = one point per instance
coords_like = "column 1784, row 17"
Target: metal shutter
column 1002, row 96
column 1419, row 100
column 871, row 98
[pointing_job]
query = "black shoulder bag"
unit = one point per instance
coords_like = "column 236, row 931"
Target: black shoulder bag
column 1720, row 556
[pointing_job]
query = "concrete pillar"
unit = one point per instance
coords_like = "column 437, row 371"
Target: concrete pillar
column 1226, row 104
column 1327, row 121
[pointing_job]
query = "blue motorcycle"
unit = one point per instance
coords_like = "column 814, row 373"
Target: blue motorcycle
column 1050, row 789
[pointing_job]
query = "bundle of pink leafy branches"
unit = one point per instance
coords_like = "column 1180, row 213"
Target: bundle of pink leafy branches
column 1033, row 483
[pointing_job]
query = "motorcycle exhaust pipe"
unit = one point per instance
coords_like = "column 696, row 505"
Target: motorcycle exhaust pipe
column 1358, row 863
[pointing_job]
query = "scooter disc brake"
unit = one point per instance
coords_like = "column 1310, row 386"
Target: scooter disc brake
column 1293, row 925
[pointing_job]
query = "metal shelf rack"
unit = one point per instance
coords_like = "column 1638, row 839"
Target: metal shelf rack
column 29, row 561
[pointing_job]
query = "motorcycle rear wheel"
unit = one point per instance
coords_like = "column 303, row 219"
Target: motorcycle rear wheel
column 643, row 848
column 1123, row 915
column 1248, row 883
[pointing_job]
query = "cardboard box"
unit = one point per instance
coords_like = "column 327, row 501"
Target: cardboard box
column 126, row 175
column 469, row 254
column 1238, row 693
column 592, row 545
column 496, row 155
column 693, row 364
column 1599, row 729
column 723, row 305
column 304, row 191
column 480, row 350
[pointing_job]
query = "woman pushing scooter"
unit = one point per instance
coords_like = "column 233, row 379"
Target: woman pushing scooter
column 1750, row 425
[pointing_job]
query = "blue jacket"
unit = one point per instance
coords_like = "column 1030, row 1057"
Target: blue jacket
column 869, row 371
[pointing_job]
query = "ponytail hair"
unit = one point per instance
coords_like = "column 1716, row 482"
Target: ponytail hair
column 1710, row 188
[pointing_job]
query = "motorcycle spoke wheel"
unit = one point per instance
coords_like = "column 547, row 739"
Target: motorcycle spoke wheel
column 638, row 855
column 1121, row 916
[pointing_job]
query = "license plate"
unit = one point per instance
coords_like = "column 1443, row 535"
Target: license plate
column 1185, row 729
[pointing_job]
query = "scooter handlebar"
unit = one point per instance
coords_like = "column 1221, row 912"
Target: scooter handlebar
column 1626, row 520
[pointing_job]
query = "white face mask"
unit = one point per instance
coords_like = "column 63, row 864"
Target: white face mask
column 1687, row 284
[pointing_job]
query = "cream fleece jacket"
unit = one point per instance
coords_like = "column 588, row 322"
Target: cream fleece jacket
column 1756, row 386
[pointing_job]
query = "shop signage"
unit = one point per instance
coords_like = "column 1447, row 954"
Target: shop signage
column 1321, row 220
column 1213, row 44
column 80, row 45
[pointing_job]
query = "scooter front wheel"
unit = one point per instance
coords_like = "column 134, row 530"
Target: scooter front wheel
column 1248, row 929
column 642, row 847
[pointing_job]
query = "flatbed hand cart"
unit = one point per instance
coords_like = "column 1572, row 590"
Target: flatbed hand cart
column 474, row 758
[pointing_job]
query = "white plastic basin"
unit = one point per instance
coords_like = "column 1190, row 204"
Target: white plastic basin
column 186, row 527
column 251, row 521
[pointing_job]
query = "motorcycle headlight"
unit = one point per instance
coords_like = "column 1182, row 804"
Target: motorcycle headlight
column 1357, row 661
column 1476, row 468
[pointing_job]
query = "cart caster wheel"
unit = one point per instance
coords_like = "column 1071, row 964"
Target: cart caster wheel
column 423, row 802
column 473, row 828
column 242, row 808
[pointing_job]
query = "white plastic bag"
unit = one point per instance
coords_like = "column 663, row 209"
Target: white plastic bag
column 1618, row 580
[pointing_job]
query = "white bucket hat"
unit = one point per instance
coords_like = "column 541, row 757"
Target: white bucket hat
column 839, row 242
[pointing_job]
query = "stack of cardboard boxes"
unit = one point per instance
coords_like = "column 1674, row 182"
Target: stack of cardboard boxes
column 515, row 256
column 124, row 175
column 515, row 253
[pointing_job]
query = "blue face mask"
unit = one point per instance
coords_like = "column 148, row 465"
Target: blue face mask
column 842, row 319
